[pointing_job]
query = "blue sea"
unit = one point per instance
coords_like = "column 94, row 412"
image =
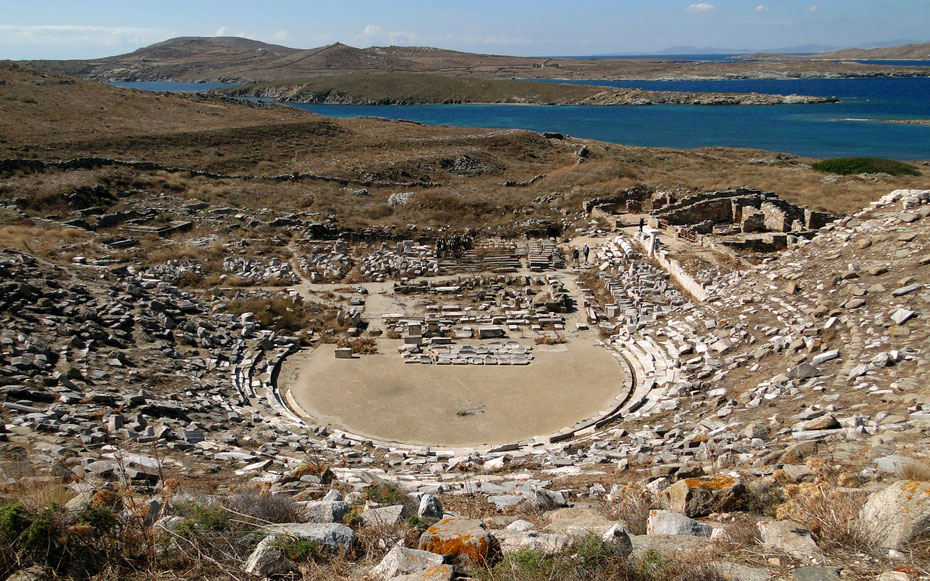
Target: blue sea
column 853, row 127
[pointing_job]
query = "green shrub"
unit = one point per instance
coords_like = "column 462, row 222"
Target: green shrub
column 298, row 550
column 353, row 518
column 526, row 564
column 653, row 563
column 102, row 519
column 201, row 519
column 14, row 520
column 41, row 536
column 856, row 165
column 418, row 523
column 385, row 493
column 592, row 552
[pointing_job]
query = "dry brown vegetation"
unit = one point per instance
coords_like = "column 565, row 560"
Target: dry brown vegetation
column 383, row 156
column 46, row 241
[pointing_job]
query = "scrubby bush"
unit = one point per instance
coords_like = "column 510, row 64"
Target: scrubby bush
column 279, row 313
column 353, row 518
column 259, row 509
column 200, row 519
column 298, row 550
column 592, row 559
column 68, row 543
column 856, row 165
column 385, row 493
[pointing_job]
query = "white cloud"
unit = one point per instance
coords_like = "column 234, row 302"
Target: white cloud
column 280, row 35
column 370, row 31
column 701, row 7
column 84, row 36
column 762, row 8
column 227, row 31
column 813, row 8
column 375, row 34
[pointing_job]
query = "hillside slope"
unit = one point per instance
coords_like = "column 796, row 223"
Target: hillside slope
column 222, row 59
column 902, row 52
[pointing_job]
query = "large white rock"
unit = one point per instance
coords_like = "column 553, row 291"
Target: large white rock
column 323, row 511
column 267, row 561
column 894, row 516
column 403, row 561
column 430, row 507
column 547, row 543
column 664, row 522
column 331, row 536
column 793, row 539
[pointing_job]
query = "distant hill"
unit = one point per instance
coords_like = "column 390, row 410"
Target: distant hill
column 898, row 52
column 902, row 52
column 235, row 59
column 238, row 60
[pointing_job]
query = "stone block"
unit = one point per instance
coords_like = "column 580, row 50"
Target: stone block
column 701, row 496
column 894, row 516
column 465, row 541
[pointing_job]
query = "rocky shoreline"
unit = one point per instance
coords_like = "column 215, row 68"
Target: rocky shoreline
column 613, row 97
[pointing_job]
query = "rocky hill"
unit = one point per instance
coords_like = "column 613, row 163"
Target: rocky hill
column 220, row 59
column 903, row 52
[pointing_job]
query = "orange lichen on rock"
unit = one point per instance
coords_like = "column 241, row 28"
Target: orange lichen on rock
column 695, row 497
column 715, row 482
column 465, row 540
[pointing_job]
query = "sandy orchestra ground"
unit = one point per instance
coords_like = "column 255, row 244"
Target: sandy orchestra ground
column 453, row 405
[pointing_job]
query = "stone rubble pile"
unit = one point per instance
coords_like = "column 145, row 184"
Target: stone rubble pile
column 405, row 259
column 174, row 270
column 327, row 261
column 275, row 270
column 490, row 353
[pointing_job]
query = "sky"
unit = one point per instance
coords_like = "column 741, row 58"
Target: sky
column 54, row 29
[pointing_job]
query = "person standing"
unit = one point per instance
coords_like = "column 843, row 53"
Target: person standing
column 642, row 222
column 585, row 250
column 575, row 257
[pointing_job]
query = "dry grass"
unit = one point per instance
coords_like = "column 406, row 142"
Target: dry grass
column 44, row 241
column 831, row 516
column 632, row 506
column 280, row 313
column 915, row 470
column 360, row 346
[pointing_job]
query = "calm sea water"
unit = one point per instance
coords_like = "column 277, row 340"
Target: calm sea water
column 852, row 127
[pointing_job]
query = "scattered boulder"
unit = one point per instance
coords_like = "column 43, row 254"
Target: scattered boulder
column 511, row 541
column 695, row 497
column 664, row 522
column 383, row 516
column 330, row 536
column 323, row 511
column 817, row 574
column 401, row 561
column 789, row 537
column 267, row 561
column 894, row 516
column 466, row 541
column 430, row 507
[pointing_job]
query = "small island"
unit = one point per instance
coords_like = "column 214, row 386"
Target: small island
column 433, row 89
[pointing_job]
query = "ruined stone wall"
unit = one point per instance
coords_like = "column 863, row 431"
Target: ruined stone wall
column 753, row 210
